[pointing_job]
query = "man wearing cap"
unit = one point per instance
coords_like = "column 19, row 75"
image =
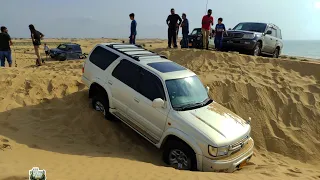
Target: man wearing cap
column 5, row 43
column 172, row 22
column 207, row 22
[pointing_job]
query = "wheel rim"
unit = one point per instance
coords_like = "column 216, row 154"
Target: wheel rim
column 256, row 51
column 179, row 159
column 99, row 107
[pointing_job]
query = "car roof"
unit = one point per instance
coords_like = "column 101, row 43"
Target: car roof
column 262, row 23
column 71, row 44
column 151, row 61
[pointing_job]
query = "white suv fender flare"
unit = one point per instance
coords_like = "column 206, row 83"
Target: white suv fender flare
column 105, row 87
column 187, row 139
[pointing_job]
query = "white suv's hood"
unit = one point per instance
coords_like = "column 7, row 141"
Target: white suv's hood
column 220, row 124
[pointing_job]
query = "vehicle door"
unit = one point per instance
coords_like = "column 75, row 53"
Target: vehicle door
column 123, row 83
column 270, row 41
column 152, row 119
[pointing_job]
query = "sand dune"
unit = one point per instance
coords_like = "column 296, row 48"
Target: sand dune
column 46, row 119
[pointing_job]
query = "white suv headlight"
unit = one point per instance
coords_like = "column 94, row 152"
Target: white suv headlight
column 248, row 36
column 221, row 151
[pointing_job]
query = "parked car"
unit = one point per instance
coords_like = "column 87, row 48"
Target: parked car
column 255, row 38
column 67, row 51
column 195, row 39
column 169, row 106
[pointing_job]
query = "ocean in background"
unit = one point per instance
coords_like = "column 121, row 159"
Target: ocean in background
column 310, row 49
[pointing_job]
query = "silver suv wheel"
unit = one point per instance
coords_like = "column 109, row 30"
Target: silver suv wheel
column 179, row 159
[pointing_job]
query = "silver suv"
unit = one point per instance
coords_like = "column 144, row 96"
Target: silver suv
column 168, row 105
column 256, row 38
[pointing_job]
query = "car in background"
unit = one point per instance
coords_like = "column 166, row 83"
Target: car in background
column 66, row 51
column 255, row 38
column 195, row 39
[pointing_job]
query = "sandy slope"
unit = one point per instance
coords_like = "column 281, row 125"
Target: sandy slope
column 45, row 117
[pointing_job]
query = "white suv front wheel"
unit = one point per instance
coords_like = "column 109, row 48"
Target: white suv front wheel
column 179, row 155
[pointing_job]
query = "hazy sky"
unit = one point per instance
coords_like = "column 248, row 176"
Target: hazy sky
column 298, row 19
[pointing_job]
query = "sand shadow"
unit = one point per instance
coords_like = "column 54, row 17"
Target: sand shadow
column 70, row 126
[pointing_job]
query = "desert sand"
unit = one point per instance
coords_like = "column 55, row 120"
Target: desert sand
column 46, row 119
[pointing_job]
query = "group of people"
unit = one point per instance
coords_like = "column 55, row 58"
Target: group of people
column 6, row 43
column 174, row 22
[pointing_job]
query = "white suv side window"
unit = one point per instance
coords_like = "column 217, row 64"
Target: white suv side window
column 102, row 57
column 150, row 86
column 128, row 73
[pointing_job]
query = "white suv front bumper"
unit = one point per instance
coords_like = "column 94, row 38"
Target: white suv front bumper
column 231, row 163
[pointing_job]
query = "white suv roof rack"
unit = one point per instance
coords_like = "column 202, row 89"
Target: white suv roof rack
column 135, row 51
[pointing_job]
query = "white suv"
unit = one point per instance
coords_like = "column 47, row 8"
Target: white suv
column 168, row 105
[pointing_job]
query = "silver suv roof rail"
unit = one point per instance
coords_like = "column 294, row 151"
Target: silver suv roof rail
column 135, row 51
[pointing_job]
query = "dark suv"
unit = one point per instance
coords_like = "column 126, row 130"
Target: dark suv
column 195, row 39
column 66, row 51
column 256, row 38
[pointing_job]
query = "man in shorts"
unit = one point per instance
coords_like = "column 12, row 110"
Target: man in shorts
column 5, row 50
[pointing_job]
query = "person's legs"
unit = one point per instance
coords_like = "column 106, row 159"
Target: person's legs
column 174, row 37
column 2, row 60
column 204, row 37
column 130, row 40
column 185, row 40
column 220, row 43
column 207, row 38
column 169, row 37
column 134, row 40
column 36, row 51
column 7, row 55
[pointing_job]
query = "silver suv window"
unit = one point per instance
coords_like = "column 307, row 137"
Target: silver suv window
column 102, row 57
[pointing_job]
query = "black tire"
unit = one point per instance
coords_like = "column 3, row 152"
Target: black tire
column 170, row 151
column 276, row 53
column 100, row 103
column 256, row 50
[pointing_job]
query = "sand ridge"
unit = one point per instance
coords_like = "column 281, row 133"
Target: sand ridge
column 46, row 119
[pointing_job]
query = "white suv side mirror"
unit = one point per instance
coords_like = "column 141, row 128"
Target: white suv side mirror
column 157, row 103
column 207, row 89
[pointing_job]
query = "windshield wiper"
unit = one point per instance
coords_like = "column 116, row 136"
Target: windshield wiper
column 192, row 105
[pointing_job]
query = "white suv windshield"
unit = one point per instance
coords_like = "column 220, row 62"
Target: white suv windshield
column 187, row 92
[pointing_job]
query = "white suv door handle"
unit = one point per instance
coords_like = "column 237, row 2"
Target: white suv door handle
column 136, row 100
column 110, row 82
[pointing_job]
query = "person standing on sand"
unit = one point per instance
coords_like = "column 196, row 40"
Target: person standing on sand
column 185, row 31
column 172, row 22
column 133, row 29
column 46, row 50
column 220, row 29
column 5, row 50
column 36, row 37
column 207, row 22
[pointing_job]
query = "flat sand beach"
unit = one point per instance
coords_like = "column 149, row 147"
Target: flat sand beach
column 46, row 120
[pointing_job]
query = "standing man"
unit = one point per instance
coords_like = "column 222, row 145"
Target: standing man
column 5, row 43
column 220, row 29
column 207, row 22
column 185, row 31
column 133, row 29
column 172, row 22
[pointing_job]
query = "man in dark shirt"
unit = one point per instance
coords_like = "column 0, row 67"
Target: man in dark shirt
column 5, row 43
column 172, row 22
column 133, row 29
column 185, row 31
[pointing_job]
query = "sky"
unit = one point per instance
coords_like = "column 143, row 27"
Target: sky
column 297, row 19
